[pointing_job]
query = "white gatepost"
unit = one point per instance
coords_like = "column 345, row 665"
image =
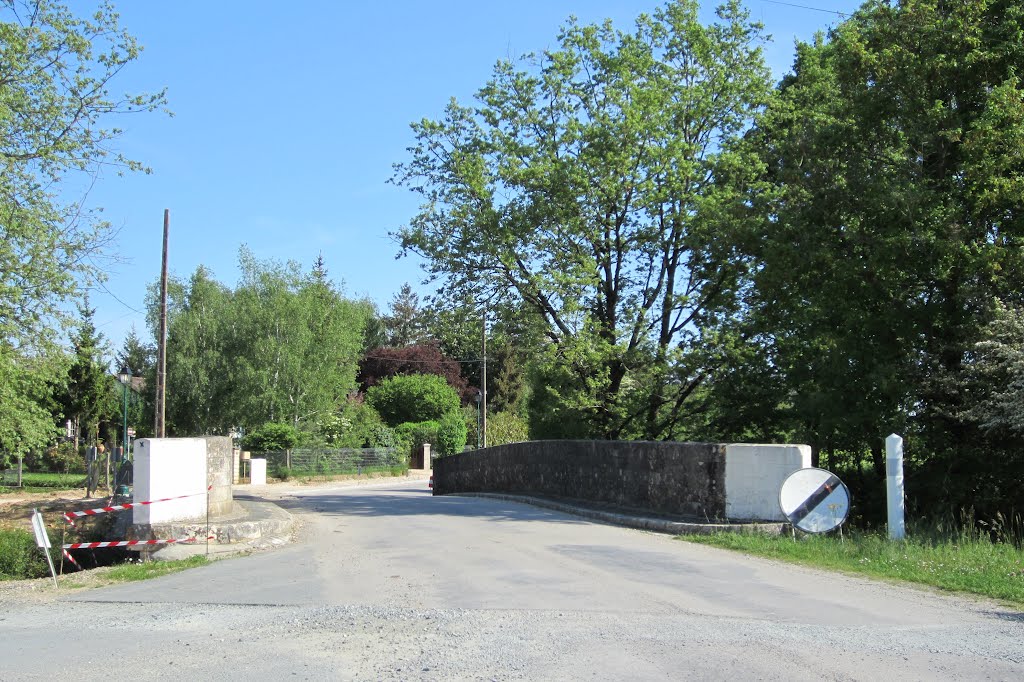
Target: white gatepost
column 894, row 486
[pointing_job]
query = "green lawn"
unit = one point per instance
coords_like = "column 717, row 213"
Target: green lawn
column 965, row 563
column 33, row 482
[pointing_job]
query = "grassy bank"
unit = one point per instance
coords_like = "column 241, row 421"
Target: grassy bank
column 135, row 571
column 963, row 562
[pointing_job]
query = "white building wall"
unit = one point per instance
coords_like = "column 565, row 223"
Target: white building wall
column 754, row 475
column 170, row 467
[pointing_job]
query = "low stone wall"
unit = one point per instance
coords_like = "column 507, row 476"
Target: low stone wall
column 699, row 481
column 685, row 479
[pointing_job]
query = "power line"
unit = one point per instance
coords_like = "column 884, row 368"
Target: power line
column 813, row 9
column 111, row 294
column 420, row 362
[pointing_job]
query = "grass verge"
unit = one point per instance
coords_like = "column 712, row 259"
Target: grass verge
column 964, row 564
column 132, row 572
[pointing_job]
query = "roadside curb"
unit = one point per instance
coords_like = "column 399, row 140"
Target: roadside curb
column 639, row 522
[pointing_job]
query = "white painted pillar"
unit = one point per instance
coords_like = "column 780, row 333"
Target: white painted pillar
column 258, row 472
column 894, row 486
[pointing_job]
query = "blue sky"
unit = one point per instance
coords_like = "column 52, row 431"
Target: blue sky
column 289, row 116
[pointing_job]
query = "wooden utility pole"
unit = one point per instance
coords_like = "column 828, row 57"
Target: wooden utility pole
column 483, row 383
column 159, row 430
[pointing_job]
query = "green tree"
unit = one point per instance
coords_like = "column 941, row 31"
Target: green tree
column 599, row 188
column 893, row 223
column 29, row 387
column 299, row 342
column 506, row 427
column 997, row 371
column 413, row 398
column 283, row 346
column 272, row 437
column 200, row 346
column 135, row 356
column 403, row 325
column 89, row 395
column 451, row 434
column 56, row 73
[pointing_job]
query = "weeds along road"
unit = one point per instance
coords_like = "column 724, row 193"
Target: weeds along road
column 392, row 583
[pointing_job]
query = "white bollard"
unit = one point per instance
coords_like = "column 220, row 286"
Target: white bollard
column 894, row 486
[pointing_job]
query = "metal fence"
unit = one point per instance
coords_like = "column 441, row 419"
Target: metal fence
column 334, row 462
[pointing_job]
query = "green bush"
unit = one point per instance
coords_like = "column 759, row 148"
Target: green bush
column 272, row 437
column 418, row 433
column 413, row 398
column 451, row 434
column 19, row 557
column 354, row 425
column 62, row 459
column 506, row 427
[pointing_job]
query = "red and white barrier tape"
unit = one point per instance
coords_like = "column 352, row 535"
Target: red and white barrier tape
column 71, row 516
column 70, row 558
column 127, row 543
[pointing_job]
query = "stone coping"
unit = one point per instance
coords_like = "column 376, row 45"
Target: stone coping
column 632, row 518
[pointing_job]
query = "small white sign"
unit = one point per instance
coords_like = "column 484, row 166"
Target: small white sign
column 42, row 538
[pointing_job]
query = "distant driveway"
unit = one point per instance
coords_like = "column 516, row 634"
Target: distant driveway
column 391, row 583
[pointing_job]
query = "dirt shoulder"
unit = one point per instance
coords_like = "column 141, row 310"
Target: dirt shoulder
column 16, row 508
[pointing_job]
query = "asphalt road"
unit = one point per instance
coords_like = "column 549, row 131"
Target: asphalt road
column 392, row 583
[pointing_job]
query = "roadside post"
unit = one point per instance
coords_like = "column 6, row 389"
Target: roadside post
column 894, row 486
column 43, row 541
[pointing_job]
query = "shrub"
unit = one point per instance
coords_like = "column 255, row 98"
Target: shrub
column 355, row 425
column 272, row 437
column 19, row 556
column 418, row 433
column 451, row 434
column 506, row 427
column 62, row 459
column 413, row 398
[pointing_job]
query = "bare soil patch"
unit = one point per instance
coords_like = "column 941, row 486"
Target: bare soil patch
column 16, row 508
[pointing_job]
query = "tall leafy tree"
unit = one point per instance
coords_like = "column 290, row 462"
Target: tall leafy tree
column 56, row 74
column 200, row 338
column 30, row 387
column 301, row 344
column 596, row 186
column 894, row 225
column 282, row 346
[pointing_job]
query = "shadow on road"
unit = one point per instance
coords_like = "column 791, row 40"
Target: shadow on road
column 406, row 502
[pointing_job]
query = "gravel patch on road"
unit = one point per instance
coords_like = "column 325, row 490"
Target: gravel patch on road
column 231, row 642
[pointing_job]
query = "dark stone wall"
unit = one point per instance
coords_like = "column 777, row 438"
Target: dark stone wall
column 685, row 479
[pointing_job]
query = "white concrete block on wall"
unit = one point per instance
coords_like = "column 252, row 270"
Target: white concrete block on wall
column 170, row 467
column 258, row 471
column 754, row 475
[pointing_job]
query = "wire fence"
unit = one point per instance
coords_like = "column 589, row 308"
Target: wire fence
column 336, row 462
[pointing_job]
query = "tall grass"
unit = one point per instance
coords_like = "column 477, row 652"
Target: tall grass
column 961, row 558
